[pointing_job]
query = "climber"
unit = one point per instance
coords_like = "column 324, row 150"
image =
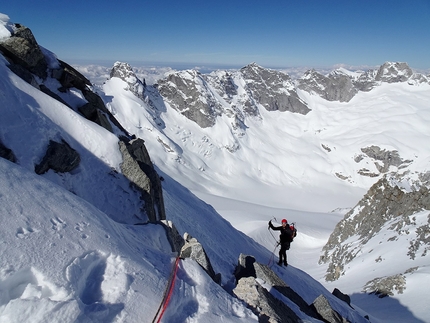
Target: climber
column 288, row 232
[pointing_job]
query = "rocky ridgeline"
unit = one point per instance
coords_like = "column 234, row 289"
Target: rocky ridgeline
column 389, row 205
column 340, row 85
column 44, row 71
column 252, row 275
column 238, row 94
column 125, row 72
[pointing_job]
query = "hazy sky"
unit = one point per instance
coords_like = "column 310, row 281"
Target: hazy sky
column 272, row 33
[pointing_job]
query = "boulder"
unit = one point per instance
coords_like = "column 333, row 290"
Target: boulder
column 22, row 49
column 59, row 157
column 344, row 297
column 194, row 250
column 245, row 267
column 262, row 303
column 326, row 311
column 248, row 267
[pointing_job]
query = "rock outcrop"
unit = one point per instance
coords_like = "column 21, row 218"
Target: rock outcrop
column 269, row 308
column 138, row 168
column 262, row 303
column 194, row 250
column 7, row 153
column 390, row 205
column 390, row 72
column 204, row 98
column 328, row 314
column 41, row 68
column 342, row 87
column 24, row 53
column 59, row 157
column 125, row 72
column 189, row 94
column 274, row 90
column 336, row 86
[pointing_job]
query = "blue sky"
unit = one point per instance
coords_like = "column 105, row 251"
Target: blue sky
column 275, row 34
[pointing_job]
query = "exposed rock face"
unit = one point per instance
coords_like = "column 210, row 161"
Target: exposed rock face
column 138, row 168
column 188, row 93
column 22, row 49
column 386, row 205
column 366, row 81
column 272, row 89
column 338, row 86
column 194, row 250
column 386, row 286
column 125, row 72
column 334, row 87
column 384, row 158
column 175, row 239
column 59, row 157
column 203, row 98
column 393, row 72
column 27, row 60
column 7, row 153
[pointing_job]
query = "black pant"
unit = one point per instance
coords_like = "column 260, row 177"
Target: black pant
column 283, row 252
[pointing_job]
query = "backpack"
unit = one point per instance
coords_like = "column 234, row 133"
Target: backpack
column 294, row 232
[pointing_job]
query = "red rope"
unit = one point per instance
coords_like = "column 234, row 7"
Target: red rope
column 170, row 291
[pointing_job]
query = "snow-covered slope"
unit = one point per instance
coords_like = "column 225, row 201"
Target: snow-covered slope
column 281, row 161
column 67, row 255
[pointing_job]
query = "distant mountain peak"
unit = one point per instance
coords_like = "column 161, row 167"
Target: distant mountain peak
column 125, row 72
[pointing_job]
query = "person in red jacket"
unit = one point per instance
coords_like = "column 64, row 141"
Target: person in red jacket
column 286, row 237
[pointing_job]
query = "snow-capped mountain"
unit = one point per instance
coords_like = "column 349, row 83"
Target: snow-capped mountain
column 250, row 143
column 334, row 152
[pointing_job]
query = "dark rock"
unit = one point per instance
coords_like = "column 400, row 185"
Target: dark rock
column 23, row 50
column 59, row 157
column 7, row 153
column 344, row 297
column 245, row 267
column 70, row 77
column 138, row 168
column 53, row 95
column 175, row 239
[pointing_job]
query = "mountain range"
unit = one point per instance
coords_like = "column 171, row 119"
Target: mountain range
column 105, row 184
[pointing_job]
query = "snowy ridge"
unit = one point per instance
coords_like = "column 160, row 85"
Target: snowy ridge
column 80, row 260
